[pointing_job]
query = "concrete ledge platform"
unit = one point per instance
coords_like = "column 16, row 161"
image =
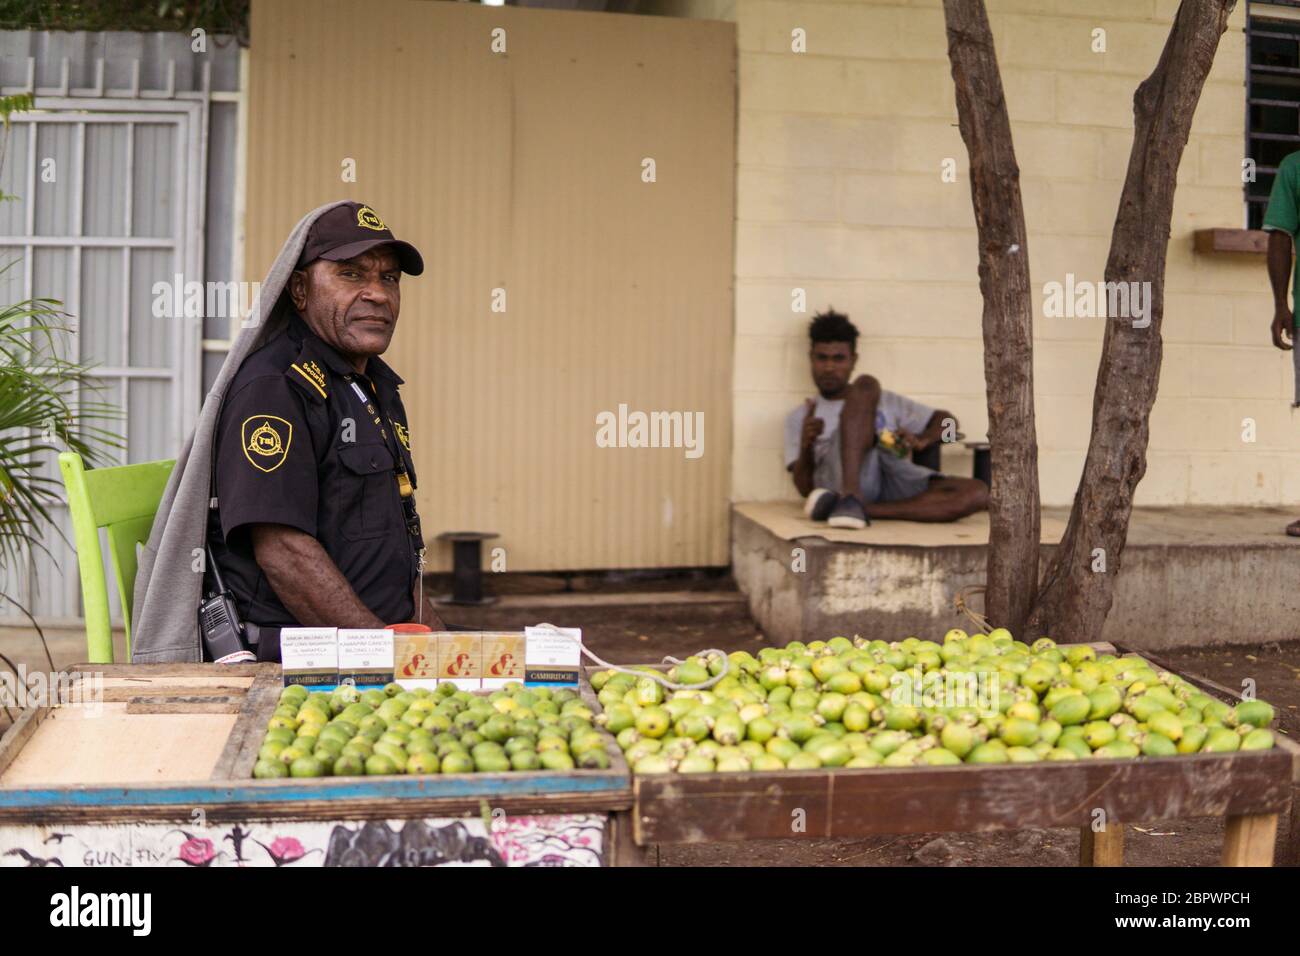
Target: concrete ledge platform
column 1195, row 575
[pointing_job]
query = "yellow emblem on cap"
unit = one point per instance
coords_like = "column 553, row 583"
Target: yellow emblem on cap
column 368, row 218
column 266, row 441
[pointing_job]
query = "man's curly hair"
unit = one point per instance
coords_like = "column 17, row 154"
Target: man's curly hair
column 832, row 326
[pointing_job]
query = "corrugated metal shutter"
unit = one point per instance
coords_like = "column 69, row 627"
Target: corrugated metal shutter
column 523, row 172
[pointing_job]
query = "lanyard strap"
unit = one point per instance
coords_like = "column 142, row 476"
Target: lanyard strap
column 404, row 487
column 399, row 466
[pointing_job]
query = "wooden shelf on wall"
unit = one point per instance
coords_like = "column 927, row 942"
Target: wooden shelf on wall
column 1252, row 241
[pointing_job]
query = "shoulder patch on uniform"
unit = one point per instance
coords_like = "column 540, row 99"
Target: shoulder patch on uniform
column 266, row 440
column 312, row 374
column 403, row 435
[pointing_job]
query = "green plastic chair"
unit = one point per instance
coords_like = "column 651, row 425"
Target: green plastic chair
column 124, row 500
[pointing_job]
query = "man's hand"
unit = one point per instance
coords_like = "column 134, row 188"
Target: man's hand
column 812, row 428
column 940, row 421
column 915, row 442
column 1283, row 328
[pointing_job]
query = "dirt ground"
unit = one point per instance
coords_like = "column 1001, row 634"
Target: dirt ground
column 644, row 633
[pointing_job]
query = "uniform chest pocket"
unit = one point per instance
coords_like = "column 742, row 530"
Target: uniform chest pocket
column 370, row 506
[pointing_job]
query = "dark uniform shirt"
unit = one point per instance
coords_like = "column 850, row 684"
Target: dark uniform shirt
column 305, row 440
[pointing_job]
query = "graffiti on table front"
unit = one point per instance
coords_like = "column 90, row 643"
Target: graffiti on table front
column 554, row 840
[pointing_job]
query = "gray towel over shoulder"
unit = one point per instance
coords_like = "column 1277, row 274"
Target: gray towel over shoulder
column 168, row 588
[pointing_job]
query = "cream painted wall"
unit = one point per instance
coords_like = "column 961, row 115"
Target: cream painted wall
column 839, row 192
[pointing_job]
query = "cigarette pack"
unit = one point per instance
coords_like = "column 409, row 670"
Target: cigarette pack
column 415, row 658
column 503, row 658
column 553, row 656
column 366, row 656
column 310, row 656
column 460, row 659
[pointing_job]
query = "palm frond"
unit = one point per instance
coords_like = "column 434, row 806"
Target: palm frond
column 48, row 404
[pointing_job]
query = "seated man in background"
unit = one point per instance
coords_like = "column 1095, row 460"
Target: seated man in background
column 846, row 449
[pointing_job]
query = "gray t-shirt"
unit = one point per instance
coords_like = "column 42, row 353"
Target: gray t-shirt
column 893, row 411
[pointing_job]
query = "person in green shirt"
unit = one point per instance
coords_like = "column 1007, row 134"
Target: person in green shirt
column 1282, row 221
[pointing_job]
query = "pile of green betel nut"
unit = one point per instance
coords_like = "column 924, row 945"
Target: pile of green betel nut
column 982, row 698
column 347, row 732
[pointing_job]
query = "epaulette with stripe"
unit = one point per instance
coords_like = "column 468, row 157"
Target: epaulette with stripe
column 310, row 377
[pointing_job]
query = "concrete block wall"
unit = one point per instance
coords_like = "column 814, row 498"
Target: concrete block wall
column 839, row 192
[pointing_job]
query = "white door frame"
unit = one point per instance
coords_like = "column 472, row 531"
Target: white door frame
column 186, row 353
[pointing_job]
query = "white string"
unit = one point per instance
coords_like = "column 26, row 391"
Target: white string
column 419, row 570
column 658, row 679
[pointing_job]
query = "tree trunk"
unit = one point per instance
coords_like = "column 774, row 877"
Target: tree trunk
column 1076, row 592
column 1012, row 574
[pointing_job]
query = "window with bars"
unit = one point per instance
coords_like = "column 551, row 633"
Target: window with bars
column 1272, row 96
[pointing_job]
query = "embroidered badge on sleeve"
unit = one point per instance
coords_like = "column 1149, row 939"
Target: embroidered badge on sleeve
column 266, row 441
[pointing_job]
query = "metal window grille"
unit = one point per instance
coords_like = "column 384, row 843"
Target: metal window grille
column 1272, row 96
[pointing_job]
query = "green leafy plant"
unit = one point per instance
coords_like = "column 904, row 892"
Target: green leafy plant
column 8, row 106
column 215, row 16
column 48, row 404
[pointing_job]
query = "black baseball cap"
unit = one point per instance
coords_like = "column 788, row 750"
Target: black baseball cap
column 350, row 229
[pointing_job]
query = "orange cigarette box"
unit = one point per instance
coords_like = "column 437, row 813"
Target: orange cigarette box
column 503, row 659
column 460, row 658
column 415, row 660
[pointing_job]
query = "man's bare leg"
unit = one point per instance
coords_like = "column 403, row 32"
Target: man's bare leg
column 857, row 430
column 947, row 499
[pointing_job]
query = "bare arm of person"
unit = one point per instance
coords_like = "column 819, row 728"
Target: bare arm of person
column 1279, row 277
column 306, row 580
column 933, row 431
column 802, row 469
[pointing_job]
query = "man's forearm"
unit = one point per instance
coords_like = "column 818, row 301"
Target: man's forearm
column 306, row 580
column 802, row 472
column 1279, row 266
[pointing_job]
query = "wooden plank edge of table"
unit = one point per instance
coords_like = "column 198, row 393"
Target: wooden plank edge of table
column 16, row 737
column 327, row 810
column 177, row 669
column 192, row 704
column 245, row 739
column 313, row 798
column 884, row 800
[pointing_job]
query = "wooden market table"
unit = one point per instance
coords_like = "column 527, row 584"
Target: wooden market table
column 164, row 775
column 1249, row 789
column 161, row 772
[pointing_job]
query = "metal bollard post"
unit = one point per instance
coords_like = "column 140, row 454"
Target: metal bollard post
column 467, row 567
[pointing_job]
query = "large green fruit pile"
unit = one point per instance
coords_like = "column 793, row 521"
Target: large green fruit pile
column 973, row 699
column 348, row 732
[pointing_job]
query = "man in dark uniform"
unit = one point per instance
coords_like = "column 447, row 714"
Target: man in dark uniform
column 315, row 523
